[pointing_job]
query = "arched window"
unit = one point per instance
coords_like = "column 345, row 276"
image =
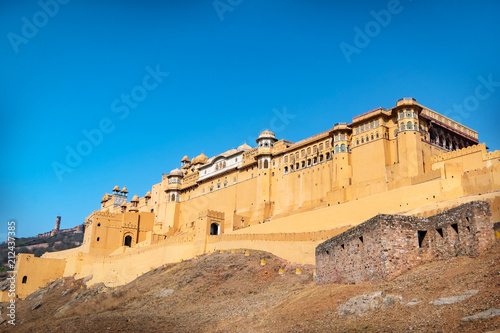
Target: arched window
column 285, row 159
column 309, row 162
column 336, row 148
column 402, row 127
column 214, row 229
column 172, row 198
column 321, row 147
column 357, row 142
column 25, row 279
column 309, row 151
column 342, row 148
column 234, row 181
column 327, row 156
column 367, row 139
column 286, row 170
column 302, row 153
column 303, row 164
column 409, row 125
column 266, row 164
column 372, row 137
column 128, row 241
column 362, row 140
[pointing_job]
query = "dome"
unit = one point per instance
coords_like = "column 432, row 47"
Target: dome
column 185, row 159
column 105, row 198
column 244, row 146
column 267, row 134
column 135, row 199
column 200, row 159
column 176, row 172
column 185, row 166
column 124, row 204
column 116, row 189
column 124, row 190
column 148, row 195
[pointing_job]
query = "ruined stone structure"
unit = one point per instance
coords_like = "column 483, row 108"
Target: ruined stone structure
column 386, row 246
column 286, row 197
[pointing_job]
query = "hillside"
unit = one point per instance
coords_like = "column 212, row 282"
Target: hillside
column 231, row 292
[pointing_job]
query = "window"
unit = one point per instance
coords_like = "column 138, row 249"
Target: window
column 211, row 188
column 218, row 186
column 286, row 170
column 302, row 153
column 234, row 180
column 321, row 147
column 303, row 164
column 309, row 151
column 266, row 164
column 337, row 147
column 203, row 191
column 409, row 125
column 342, row 148
column 25, row 279
column 327, row 156
column 309, row 162
column 376, row 135
column 372, row 137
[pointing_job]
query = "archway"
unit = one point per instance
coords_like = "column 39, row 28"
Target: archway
column 128, row 241
column 214, row 229
column 25, row 279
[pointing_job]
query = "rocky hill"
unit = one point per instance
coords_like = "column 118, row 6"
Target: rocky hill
column 231, row 292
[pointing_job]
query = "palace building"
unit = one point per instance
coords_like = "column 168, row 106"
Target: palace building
column 281, row 196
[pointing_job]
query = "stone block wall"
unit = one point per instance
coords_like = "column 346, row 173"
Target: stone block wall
column 386, row 246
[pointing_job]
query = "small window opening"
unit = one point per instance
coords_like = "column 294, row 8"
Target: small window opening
column 361, row 239
column 455, row 227
column 327, row 252
column 440, row 232
column 98, row 224
column 25, row 279
column 421, row 236
column 98, row 238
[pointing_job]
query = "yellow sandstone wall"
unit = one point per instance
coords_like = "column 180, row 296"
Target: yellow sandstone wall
column 33, row 273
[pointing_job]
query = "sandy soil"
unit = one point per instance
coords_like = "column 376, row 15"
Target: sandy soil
column 231, row 292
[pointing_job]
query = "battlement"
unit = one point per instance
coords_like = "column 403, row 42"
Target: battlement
column 460, row 152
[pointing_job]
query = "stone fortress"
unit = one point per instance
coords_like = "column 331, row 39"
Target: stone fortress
column 283, row 197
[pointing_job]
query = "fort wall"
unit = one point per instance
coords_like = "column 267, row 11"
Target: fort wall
column 386, row 246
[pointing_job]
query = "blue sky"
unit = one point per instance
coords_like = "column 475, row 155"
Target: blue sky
column 234, row 68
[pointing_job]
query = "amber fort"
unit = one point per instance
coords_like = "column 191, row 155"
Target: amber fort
column 402, row 167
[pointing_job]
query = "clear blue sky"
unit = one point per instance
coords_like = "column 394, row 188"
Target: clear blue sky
column 229, row 68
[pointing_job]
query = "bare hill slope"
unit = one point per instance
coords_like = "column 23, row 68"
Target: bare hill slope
column 231, row 292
